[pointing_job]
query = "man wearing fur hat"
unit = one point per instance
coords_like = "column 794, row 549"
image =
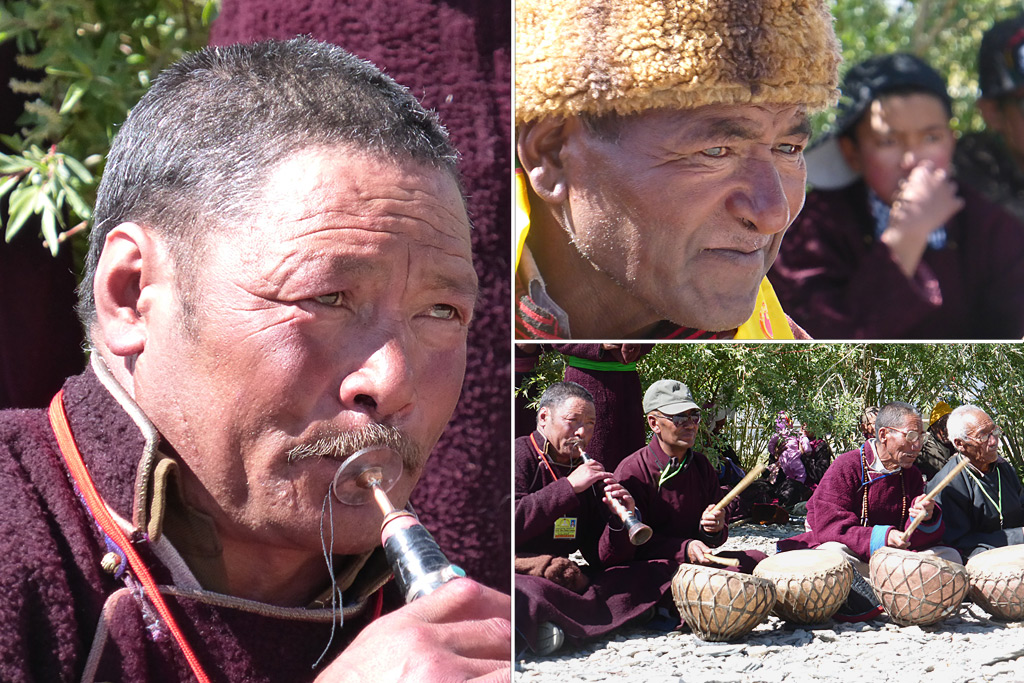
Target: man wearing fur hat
column 661, row 153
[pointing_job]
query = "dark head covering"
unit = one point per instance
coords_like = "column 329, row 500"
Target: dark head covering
column 1001, row 58
column 881, row 75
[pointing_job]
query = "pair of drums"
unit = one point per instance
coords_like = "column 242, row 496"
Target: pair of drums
column 803, row 586
column 924, row 590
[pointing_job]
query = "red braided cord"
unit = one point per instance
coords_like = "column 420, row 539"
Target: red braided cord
column 73, row 458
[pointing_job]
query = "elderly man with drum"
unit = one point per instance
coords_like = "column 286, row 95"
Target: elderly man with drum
column 559, row 511
column 866, row 501
column 983, row 506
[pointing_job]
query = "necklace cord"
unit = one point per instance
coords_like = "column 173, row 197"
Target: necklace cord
column 93, row 500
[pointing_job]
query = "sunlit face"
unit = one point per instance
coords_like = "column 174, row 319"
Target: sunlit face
column 896, row 449
column 344, row 302
column 676, row 433
column 896, row 134
column 980, row 446
column 685, row 210
column 568, row 427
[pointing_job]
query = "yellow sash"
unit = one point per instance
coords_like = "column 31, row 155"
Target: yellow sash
column 768, row 321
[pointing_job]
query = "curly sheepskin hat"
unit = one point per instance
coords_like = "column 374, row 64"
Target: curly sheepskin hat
column 626, row 56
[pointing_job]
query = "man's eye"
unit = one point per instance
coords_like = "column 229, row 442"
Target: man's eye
column 789, row 149
column 334, row 299
column 443, row 312
column 714, row 152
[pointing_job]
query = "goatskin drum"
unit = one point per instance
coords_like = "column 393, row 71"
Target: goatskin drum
column 721, row 605
column 997, row 581
column 810, row 585
column 917, row 589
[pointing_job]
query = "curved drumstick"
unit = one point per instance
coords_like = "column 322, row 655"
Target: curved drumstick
column 738, row 488
column 934, row 492
column 724, row 561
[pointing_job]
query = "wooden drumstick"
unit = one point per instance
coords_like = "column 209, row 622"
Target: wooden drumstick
column 724, row 561
column 934, row 492
column 738, row 489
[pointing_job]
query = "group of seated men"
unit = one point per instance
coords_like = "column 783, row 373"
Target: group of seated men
column 866, row 500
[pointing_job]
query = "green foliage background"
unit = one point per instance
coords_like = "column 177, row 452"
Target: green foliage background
column 91, row 61
column 945, row 33
column 825, row 386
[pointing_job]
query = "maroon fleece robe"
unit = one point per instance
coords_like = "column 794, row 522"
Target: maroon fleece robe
column 615, row 594
column 53, row 590
column 834, row 510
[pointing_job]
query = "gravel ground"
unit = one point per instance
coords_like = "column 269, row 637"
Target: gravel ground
column 970, row 646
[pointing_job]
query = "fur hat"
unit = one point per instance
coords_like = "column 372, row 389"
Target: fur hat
column 626, row 56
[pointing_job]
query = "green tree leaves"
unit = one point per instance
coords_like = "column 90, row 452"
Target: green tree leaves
column 91, row 62
column 825, row 386
column 945, row 33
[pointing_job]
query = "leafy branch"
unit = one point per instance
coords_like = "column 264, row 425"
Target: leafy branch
column 87, row 62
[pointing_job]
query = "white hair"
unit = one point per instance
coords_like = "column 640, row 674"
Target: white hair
column 956, row 423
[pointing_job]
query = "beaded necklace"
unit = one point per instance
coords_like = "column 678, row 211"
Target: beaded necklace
column 865, row 481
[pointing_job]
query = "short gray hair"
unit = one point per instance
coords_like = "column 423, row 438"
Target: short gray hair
column 892, row 415
column 560, row 392
column 956, row 424
column 194, row 154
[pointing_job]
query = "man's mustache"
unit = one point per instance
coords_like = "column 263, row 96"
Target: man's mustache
column 339, row 445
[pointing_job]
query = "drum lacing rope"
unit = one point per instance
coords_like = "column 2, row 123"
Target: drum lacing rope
column 98, row 509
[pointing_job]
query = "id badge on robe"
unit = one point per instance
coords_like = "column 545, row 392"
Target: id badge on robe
column 565, row 528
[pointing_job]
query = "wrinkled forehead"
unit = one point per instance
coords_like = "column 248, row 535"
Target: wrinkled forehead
column 978, row 421
column 346, row 187
column 576, row 407
column 912, row 422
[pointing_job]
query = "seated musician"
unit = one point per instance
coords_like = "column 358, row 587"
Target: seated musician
column 866, row 500
column 559, row 511
column 983, row 506
column 674, row 488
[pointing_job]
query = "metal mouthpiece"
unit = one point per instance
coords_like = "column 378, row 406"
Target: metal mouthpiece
column 373, row 467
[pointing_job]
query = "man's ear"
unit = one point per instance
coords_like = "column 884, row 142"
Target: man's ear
column 133, row 260
column 850, row 153
column 539, row 147
column 543, row 415
column 652, row 422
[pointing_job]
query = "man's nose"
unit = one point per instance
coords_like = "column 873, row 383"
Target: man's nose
column 761, row 198
column 383, row 385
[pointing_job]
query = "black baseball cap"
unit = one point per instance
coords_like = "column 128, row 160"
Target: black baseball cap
column 1001, row 58
column 863, row 84
column 878, row 76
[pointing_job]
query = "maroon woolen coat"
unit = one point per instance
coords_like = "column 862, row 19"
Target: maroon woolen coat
column 839, row 282
column 455, row 57
column 834, row 510
column 673, row 510
column 53, row 590
column 615, row 595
